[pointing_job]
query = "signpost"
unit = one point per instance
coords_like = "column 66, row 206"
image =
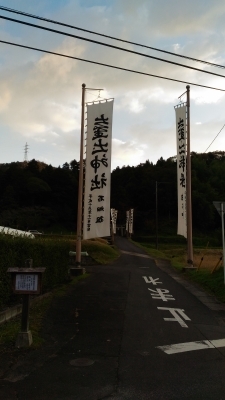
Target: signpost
column 26, row 281
column 220, row 206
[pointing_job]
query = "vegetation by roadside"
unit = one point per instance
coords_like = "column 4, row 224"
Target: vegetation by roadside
column 209, row 273
column 38, row 310
column 14, row 251
column 48, row 252
column 100, row 251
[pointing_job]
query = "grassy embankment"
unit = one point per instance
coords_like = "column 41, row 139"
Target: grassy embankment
column 46, row 251
column 38, row 310
column 208, row 261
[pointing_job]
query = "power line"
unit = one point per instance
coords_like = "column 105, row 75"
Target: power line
column 108, row 37
column 214, row 139
column 108, row 65
column 109, row 45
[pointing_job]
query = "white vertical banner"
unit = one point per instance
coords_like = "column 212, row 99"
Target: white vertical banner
column 127, row 221
column 181, row 132
column 113, row 219
column 131, row 213
column 96, row 221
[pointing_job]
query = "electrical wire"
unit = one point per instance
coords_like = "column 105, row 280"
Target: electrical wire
column 107, row 36
column 214, row 139
column 109, row 45
column 108, row 65
column 113, row 38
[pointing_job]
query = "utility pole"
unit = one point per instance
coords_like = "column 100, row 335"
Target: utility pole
column 80, row 187
column 156, row 212
column 220, row 206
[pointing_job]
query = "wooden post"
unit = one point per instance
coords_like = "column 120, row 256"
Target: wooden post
column 188, row 182
column 156, row 213
column 26, row 303
column 80, row 188
column 25, row 313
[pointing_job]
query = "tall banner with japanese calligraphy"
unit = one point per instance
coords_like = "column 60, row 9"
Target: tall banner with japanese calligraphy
column 113, row 219
column 127, row 221
column 131, row 214
column 181, row 131
column 96, row 220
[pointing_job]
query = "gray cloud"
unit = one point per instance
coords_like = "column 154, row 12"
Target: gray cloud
column 41, row 94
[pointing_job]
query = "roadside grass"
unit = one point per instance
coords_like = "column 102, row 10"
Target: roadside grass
column 209, row 274
column 97, row 248
column 38, row 310
column 48, row 252
column 100, row 251
column 212, row 283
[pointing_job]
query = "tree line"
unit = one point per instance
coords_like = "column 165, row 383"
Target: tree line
column 136, row 187
column 39, row 196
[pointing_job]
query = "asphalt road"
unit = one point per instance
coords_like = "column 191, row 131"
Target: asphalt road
column 132, row 330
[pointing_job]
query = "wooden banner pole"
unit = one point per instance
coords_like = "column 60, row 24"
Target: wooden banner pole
column 80, row 187
column 188, row 200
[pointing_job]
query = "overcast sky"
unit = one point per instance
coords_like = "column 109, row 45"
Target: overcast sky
column 40, row 94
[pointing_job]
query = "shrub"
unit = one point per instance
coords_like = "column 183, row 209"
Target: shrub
column 52, row 254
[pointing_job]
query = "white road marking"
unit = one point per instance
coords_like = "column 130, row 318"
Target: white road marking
column 177, row 313
column 151, row 280
column 161, row 294
column 191, row 346
column 135, row 254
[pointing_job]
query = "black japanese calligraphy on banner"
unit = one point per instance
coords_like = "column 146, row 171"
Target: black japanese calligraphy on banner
column 127, row 220
column 98, row 170
column 181, row 168
column 130, row 226
column 113, row 219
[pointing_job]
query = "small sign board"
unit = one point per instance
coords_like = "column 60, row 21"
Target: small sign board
column 218, row 204
column 26, row 280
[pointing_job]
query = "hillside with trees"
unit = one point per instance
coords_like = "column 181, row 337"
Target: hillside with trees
column 135, row 187
column 38, row 196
